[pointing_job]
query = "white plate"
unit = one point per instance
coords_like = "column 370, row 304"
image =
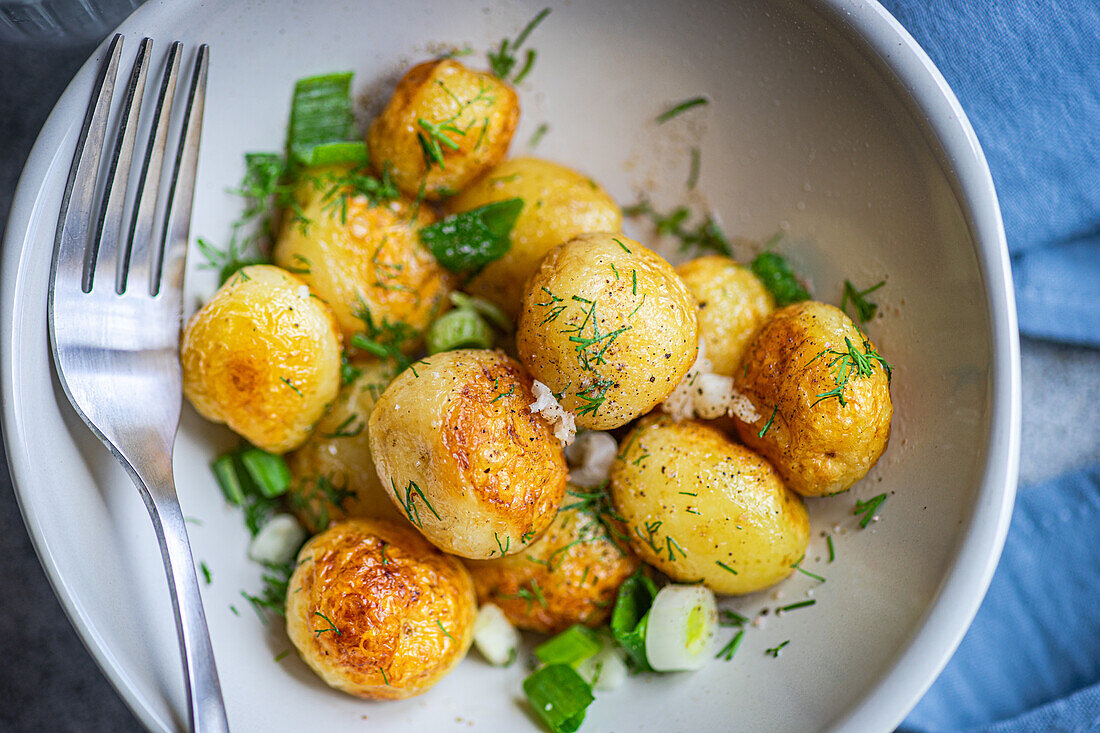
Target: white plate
column 826, row 120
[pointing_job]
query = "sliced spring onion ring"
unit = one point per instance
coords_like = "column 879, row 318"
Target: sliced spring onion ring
column 630, row 617
column 459, row 329
column 559, row 696
column 681, row 626
column 606, row 670
column 494, row 636
column 491, row 311
column 278, row 540
column 225, row 471
column 572, row 646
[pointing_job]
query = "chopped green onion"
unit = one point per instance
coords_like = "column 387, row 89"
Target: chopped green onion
column 468, row 241
column 778, row 277
column 225, row 471
column 494, row 636
column 572, row 646
column 320, row 113
column 459, row 329
column 278, row 540
column 559, row 696
column 630, row 616
column 354, row 152
column 491, row 311
column 267, row 470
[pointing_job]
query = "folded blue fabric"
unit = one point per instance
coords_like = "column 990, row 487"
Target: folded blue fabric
column 1036, row 639
column 1028, row 75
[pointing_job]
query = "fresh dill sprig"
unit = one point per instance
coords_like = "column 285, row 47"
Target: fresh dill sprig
column 331, row 626
column 868, row 509
column 503, row 60
column 731, row 618
column 798, row 566
column 679, row 109
column 848, row 364
column 776, row 650
column 705, row 236
column 793, row 606
column 725, row 567
column 726, row 653
column 865, row 310
column 767, row 425
column 829, row 543
column 539, row 133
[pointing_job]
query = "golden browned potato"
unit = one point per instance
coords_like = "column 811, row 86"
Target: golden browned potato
column 558, row 204
column 333, row 473
column 700, row 507
column 378, row 612
column 732, row 305
column 608, row 325
column 443, row 127
column 356, row 254
column 569, row 575
column 825, row 391
column 263, row 357
column 460, row 452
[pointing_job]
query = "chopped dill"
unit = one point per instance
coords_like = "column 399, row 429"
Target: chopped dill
column 680, row 108
column 868, row 509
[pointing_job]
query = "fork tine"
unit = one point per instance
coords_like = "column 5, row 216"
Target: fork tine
column 177, row 224
column 140, row 238
column 104, row 246
column 71, row 239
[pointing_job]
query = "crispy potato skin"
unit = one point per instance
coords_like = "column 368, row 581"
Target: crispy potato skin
column 819, row 446
column 457, row 427
column 558, row 204
column 334, row 474
column 732, row 305
column 576, row 567
column 263, row 357
column 648, row 333
column 372, row 258
column 443, row 92
column 398, row 613
column 692, row 498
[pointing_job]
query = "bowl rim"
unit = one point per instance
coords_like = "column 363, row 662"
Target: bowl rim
column 874, row 31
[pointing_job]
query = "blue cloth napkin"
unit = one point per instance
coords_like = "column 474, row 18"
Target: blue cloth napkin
column 1028, row 75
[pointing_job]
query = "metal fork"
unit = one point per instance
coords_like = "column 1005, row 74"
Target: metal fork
column 115, row 309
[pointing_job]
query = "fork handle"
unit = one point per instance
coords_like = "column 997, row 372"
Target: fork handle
column 204, row 693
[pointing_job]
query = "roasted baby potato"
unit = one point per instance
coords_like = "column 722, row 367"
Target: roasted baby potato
column 463, row 457
column 732, row 305
column 363, row 257
column 263, row 357
column 443, row 127
column 569, row 575
column 823, row 390
column 376, row 611
column 558, row 204
column 608, row 325
column 700, row 507
column 333, row 473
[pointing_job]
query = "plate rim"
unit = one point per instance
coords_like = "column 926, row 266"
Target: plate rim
column 936, row 636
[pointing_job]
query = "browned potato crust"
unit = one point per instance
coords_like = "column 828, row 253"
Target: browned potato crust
column 569, row 575
column 608, row 325
column 263, row 357
column 475, row 111
column 365, row 255
column 460, row 452
column 700, row 507
column 732, row 305
column 334, row 474
column 820, row 445
column 378, row 612
column 558, row 204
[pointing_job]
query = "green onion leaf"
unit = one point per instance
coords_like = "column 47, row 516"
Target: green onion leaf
column 630, row 617
column 559, row 696
column 459, row 329
column 776, row 274
column 267, row 470
column 354, row 152
column 491, row 311
column 225, row 471
column 320, row 113
column 468, row 241
column 572, row 646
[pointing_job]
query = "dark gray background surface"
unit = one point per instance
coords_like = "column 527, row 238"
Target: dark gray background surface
column 49, row 682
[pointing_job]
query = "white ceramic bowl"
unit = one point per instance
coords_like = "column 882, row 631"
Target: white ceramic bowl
column 826, row 121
